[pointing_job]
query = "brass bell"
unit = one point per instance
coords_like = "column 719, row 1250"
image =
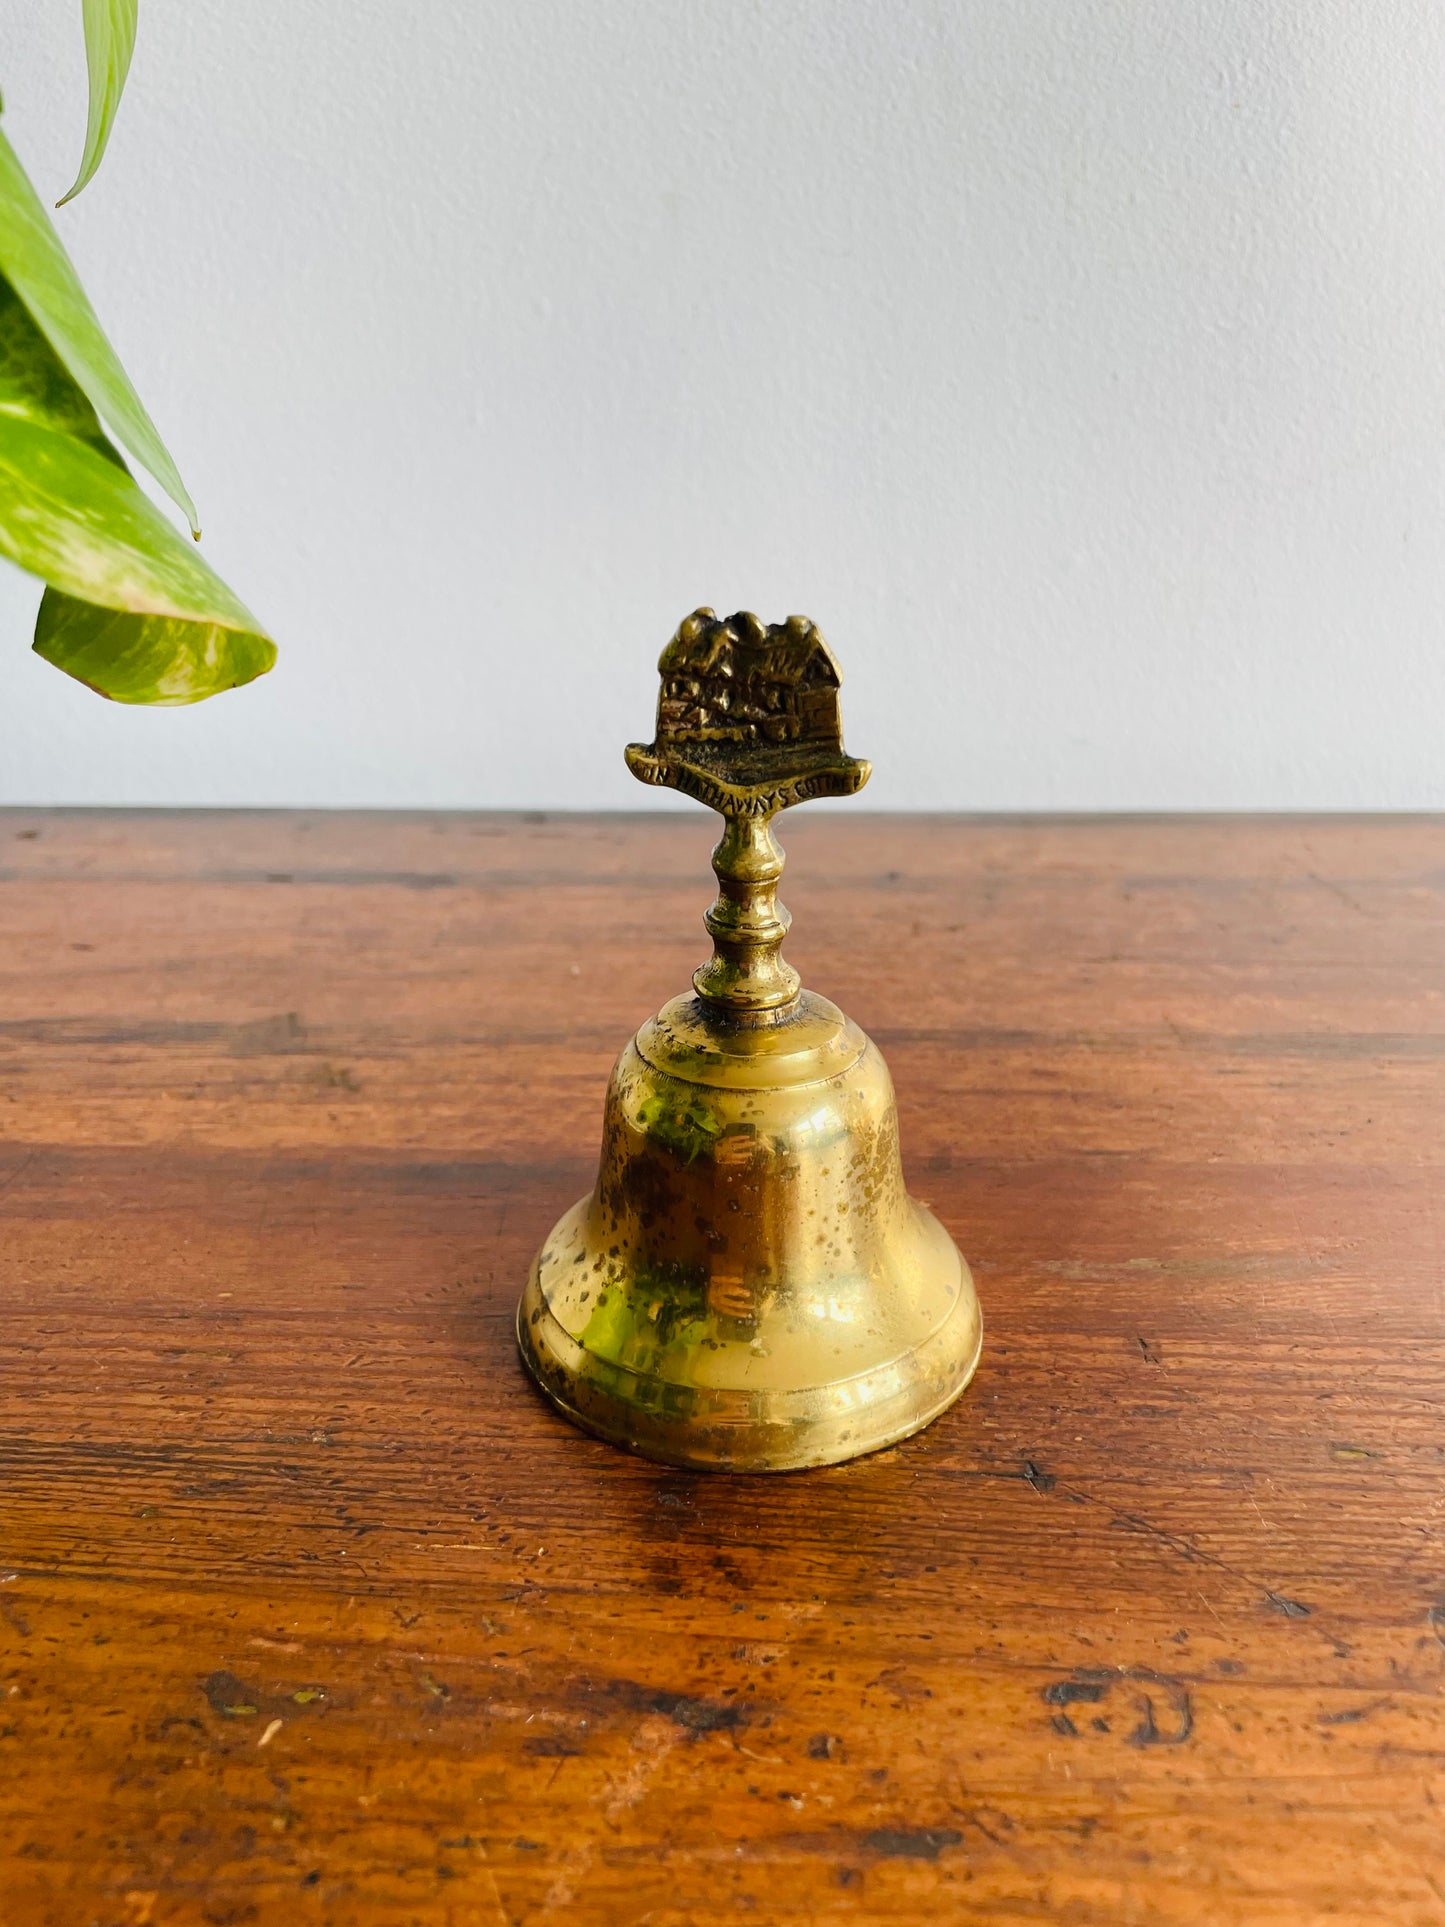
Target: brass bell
column 749, row 1288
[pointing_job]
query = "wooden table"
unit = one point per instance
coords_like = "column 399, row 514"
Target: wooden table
column 312, row 1612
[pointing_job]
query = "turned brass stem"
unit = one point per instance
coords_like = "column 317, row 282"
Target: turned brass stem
column 746, row 971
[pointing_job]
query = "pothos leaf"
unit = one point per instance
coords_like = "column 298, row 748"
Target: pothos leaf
column 109, row 43
column 69, row 515
column 147, row 659
column 37, row 267
column 132, row 609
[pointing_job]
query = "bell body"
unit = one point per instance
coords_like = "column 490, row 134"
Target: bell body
column 749, row 1287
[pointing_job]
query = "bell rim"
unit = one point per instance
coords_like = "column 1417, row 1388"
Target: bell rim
column 914, row 1388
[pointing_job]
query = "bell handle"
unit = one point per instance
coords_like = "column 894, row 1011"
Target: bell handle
column 747, row 924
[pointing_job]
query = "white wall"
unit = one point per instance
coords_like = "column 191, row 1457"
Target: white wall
column 1076, row 364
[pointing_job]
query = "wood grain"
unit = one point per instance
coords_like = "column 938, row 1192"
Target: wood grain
column 311, row 1612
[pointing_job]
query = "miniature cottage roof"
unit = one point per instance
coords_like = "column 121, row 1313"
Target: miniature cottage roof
column 743, row 648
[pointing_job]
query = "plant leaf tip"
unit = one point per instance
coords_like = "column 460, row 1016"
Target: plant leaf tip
column 82, row 179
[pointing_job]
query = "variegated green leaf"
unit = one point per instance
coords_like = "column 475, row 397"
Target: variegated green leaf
column 109, row 43
column 147, row 659
column 78, row 520
column 133, row 609
column 37, row 267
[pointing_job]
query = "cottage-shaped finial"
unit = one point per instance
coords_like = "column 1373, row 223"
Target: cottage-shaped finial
column 747, row 716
